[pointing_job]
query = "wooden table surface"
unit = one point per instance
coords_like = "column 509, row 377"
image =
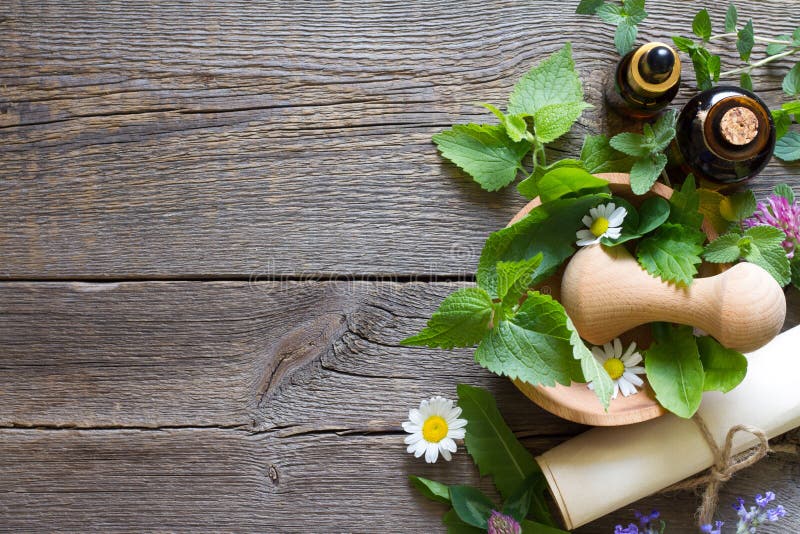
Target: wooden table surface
column 217, row 223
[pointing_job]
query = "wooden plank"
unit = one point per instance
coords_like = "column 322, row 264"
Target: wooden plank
column 182, row 141
column 232, row 480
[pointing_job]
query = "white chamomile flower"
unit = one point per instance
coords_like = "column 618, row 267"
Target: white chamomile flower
column 434, row 427
column 603, row 221
column 621, row 367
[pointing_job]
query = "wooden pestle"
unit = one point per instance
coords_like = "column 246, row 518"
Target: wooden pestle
column 606, row 292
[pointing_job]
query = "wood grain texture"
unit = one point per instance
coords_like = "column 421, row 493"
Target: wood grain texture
column 176, row 140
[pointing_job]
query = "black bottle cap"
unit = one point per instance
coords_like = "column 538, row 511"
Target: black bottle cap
column 657, row 64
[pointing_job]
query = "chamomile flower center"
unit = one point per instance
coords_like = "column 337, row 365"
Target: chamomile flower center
column 599, row 226
column 614, row 367
column 434, row 429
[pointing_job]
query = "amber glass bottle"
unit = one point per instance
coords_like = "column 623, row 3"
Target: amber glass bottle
column 723, row 135
column 645, row 82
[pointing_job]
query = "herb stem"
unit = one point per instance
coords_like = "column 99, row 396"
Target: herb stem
column 759, row 39
column 751, row 66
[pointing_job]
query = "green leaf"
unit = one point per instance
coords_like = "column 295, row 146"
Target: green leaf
column 787, row 147
column 791, row 107
column 672, row 253
column 514, row 279
column 634, row 9
column 683, row 44
column 592, row 370
column 763, row 245
column 549, row 229
column 471, row 505
column 746, row 81
column 782, row 120
column 554, row 120
column 625, row 36
column 777, row 48
column 532, row 527
column 714, row 65
column 484, row 152
column 565, row 181
column 675, row 372
column 630, row 143
column 491, row 443
column 653, row 213
column 685, row 205
column 724, row 368
column 731, row 18
column 534, row 346
column 783, row 190
column 515, row 125
column 529, row 186
column 588, row 7
column 610, row 13
column 738, row 206
column 664, row 130
column 745, row 41
column 599, row 156
column 709, row 208
column 796, row 37
column 456, row 526
column 791, row 82
column 461, row 321
column 700, row 58
column 518, row 504
column 435, row 491
column 646, row 171
column 724, row 249
column 701, row 25
column 553, row 81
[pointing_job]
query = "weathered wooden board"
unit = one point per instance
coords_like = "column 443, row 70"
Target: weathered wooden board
column 176, row 140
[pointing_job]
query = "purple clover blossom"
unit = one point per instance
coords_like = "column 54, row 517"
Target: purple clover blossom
column 777, row 211
column 716, row 529
column 503, row 524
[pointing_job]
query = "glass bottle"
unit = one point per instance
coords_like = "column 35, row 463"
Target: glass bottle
column 645, row 81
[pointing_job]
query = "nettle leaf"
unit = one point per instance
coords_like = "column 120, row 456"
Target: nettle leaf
column 685, row 205
column 653, row 213
column 552, row 121
column 529, row 186
column 462, row 320
column 731, row 18
column 763, row 245
column 599, row 156
column 514, row 279
column 709, row 208
column 787, row 147
column 675, row 371
column 738, row 206
column 534, row 346
column 701, row 25
column 791, row 82
column 435, row 491
column 777, row 48
column 625, row 36
column 492, row 445
column 553, row 81
column 630, row 143
column 745, row 40
column 515, row 125
column 672, row 253
column 471, row 505
column 724, row 249
column 483, row 151
column 588, row 7
column 565, row 181
column 724, row 368
column 783, row 190
column 646, row 171
column 548, row 229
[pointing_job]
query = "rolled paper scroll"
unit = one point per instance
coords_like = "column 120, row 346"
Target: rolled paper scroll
column 605, row 469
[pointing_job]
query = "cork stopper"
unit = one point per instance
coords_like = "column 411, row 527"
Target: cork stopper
column 739, row 126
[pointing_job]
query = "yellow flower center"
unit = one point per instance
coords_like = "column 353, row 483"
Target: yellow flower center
column 599, row 226
column 434, row 429
column 614, row 367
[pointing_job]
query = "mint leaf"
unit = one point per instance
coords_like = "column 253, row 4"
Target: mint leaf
column 746, row 81
column 646, row 171
column 435, row 491
column 549, row 229
column 483, row 151
column 598, row 156
column 709, row 208
column 783, row 121
column 588, row 7
column 713, row 65
column 552, row 81
column 783, row 190
column 791, row 107
column 529, row 186
column 625, row 36
column 738, row 206
column 653, row 213
column 763, row 245
column 592, row 370
column 471, row 505
column 515, row 125
column 777, row 48
column 610, row 13
column 672, row 253
column 685, row 205
column 791, row 82
column 534, row 346
column 731, row 18
column 564, row 181
column 491, row 443
column 683, row 44
column 724, row 249
column 700, row 62
column 724, row 368
column 745, row 40
column 663, row 130
column 514, row 279
column 554, row 120
column 675, row 372
column 630, row 143
column 787, row 147
column 461, row 321
column 701, row 25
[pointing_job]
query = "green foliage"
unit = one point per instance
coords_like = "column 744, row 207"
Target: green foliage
column 599, row 156
column 795, row 268
column 455, row 525
column 724, row 368
column 514, row 279
column 461, row 321
column 674, row 370
column 672, row 252
column 519, row 503
column 745, row 41
column 647, row 149
column 706, row 65
column 791, row 82
column 685, row 205
column 471, row 505
column 592, row 370
column 625, row 17
column 701, row 25
column 515, row 125
column 761, row 245
column 529, row 186
column 731, row 18
column 564, row 181
column 787, row 147
column 738, row 206
column 435, row 491
column 724, row 249
column 653, row 213
column 783, row 190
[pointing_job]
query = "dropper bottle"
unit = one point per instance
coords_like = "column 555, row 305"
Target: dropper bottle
column 645, row 81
